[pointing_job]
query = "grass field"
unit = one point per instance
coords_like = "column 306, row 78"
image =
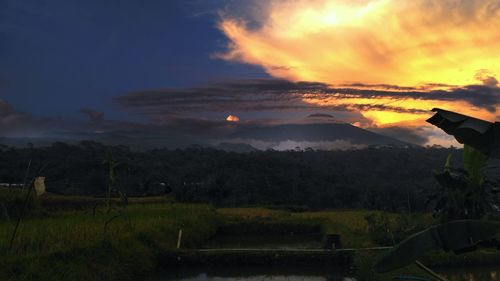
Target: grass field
column 124, row 243
column 68, row 229
column 352, row 225
column 78, row 245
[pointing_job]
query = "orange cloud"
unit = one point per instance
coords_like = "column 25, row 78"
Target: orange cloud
column 407, row 111
column 394, row 42
column 401, row 42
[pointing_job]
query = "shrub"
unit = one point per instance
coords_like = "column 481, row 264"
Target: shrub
column 12, row 201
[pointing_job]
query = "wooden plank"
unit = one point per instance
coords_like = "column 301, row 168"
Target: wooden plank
column 288, row 250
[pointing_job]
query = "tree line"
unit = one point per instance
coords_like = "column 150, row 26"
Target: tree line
column 385, row 178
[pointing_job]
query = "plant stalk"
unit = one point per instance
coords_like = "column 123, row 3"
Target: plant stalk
column 430, row 272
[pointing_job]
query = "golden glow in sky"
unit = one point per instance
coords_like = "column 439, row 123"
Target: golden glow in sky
column 404, row 115
column 412, row 43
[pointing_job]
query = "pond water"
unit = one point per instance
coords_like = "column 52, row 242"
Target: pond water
column 237, row 273
column 471, row 273
column 305, row 274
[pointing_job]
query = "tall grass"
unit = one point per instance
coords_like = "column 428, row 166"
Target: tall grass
column 76, row 229
column 256, row 213
column 11, row 204
column 45, row 247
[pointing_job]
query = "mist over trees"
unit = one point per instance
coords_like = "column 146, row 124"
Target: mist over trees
column 386, row 178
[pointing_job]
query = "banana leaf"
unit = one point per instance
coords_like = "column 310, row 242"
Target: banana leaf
column 477, row 133
column 457, row 236
column 474, row 161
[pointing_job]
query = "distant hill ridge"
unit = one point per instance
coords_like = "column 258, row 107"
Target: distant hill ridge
column 244, row 139
column 315, row 133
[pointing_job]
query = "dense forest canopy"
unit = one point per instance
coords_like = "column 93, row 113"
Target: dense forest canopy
column 387, row 178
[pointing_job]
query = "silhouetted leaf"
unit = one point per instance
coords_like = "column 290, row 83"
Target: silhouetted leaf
column 477, row 133
column 457, row 236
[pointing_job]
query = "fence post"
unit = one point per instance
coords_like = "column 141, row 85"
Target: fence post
column 179, row 238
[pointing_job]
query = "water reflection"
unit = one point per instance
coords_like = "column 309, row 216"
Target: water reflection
column 472, row 274
column 255, row 274
column 311, row 273
column 205, row 277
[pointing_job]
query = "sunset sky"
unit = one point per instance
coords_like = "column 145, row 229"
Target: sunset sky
column 377, row 64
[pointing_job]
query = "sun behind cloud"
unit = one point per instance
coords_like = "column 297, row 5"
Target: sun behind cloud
column 232, row 118
column 415, row 43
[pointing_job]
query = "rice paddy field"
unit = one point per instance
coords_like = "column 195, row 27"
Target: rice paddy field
column 105, row 245
column 127, row 241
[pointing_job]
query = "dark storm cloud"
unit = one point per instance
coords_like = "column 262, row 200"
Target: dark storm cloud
column 6, row 109
column 320, row 115
column 277, row 94
column 93, row 115
column 16, row 123
column 10, row 119
column 247, row 95
column 479, row 95
column 380, row 86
